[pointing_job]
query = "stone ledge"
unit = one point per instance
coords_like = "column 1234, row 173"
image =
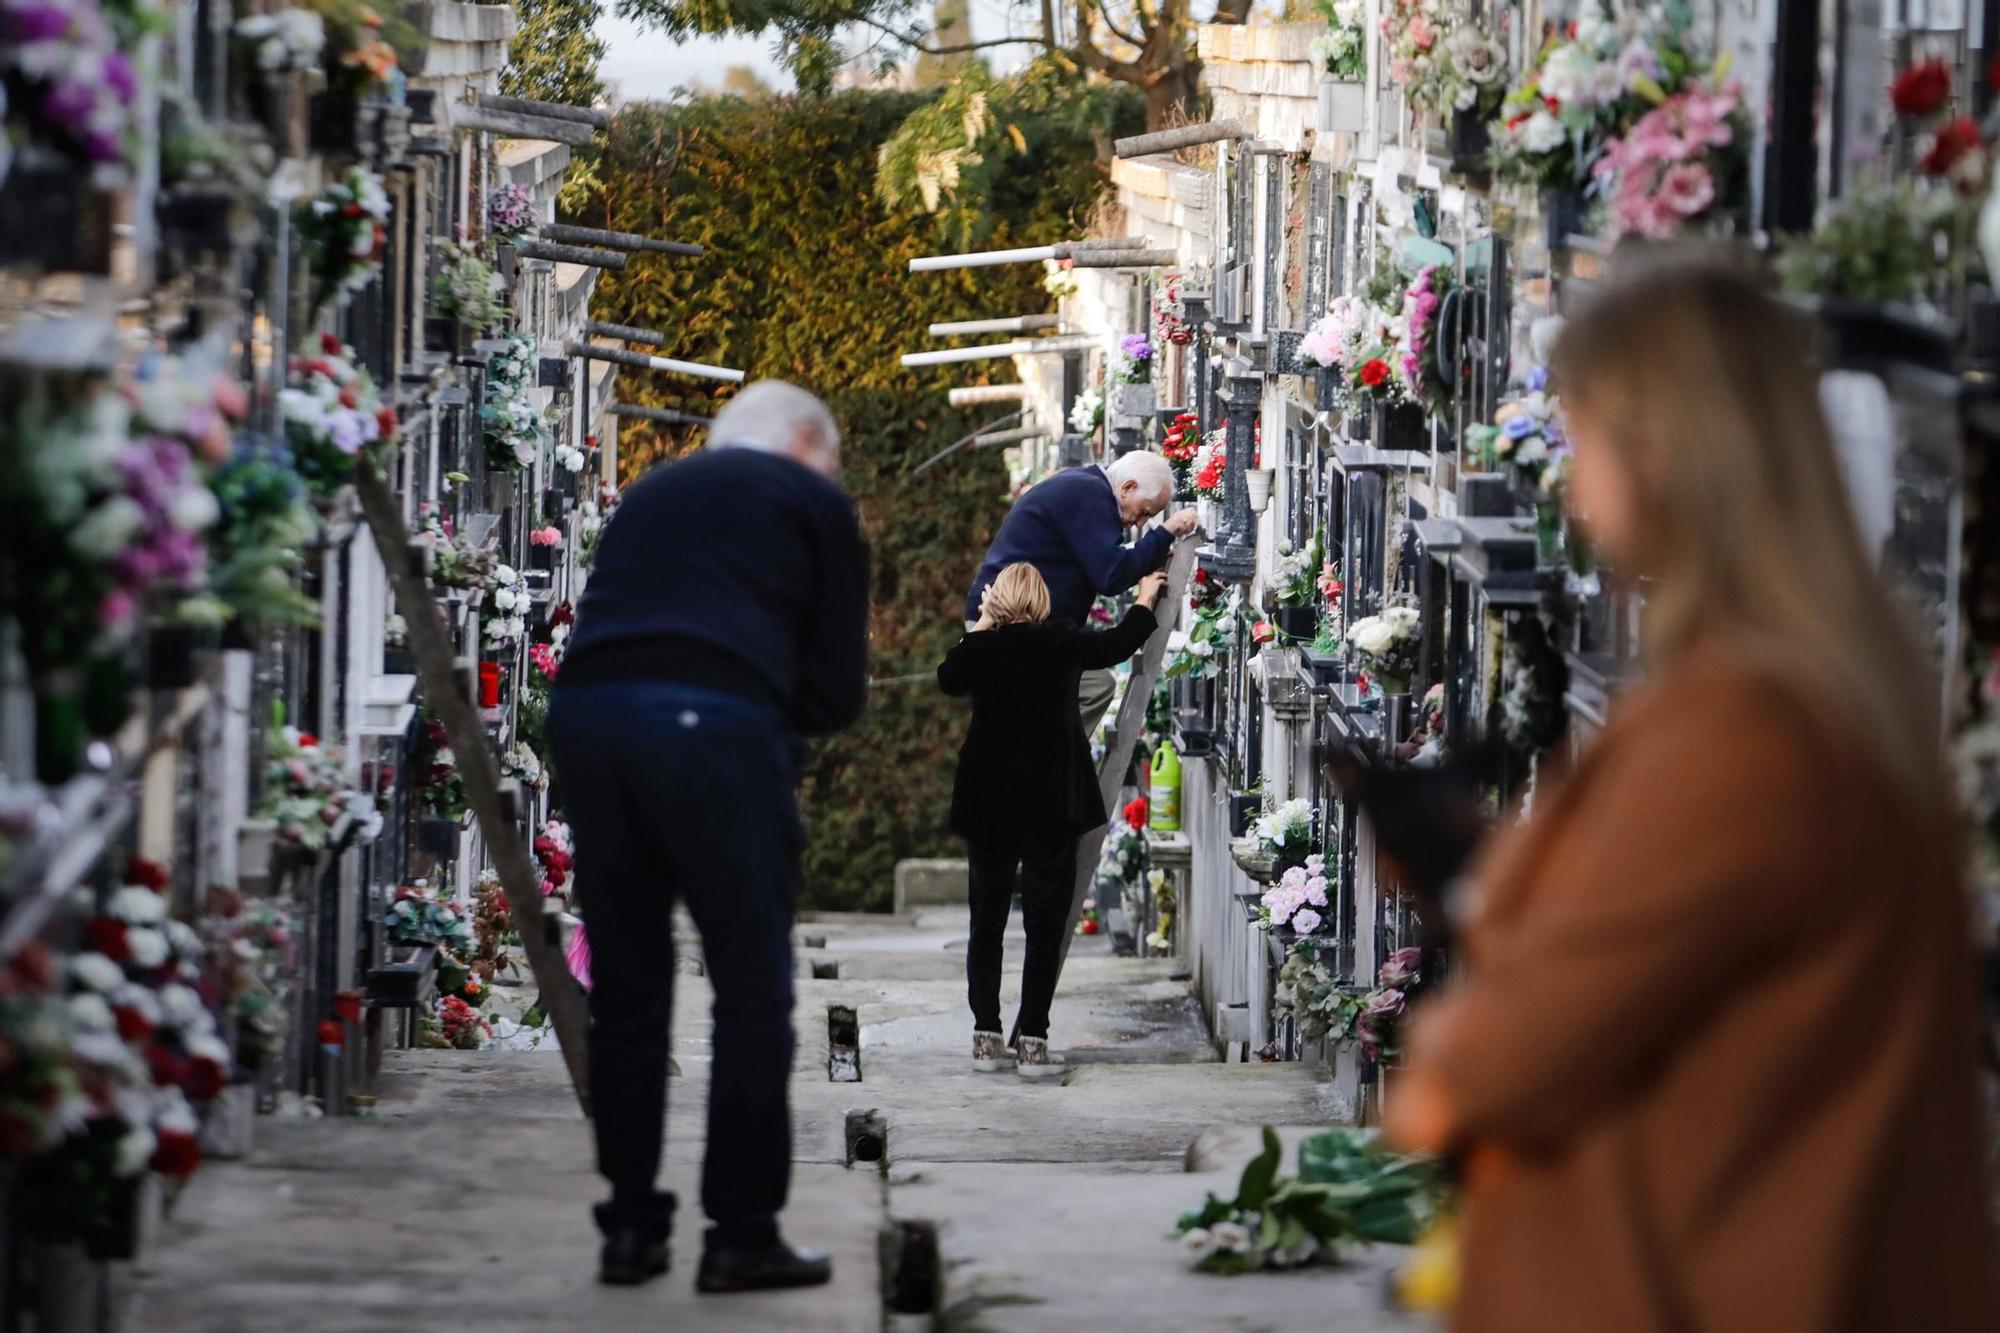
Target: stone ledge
column 931, row 883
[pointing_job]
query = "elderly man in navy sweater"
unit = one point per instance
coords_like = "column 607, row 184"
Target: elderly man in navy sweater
column 727, row 619
column 1071, row 528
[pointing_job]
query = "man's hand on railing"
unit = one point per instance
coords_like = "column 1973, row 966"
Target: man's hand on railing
column 1181, row 524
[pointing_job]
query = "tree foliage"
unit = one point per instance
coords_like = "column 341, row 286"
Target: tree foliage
column 555, row 52
column 805, row 278
column 957, row 157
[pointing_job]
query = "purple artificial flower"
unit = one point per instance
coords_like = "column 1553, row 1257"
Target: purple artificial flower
column 118, row 72
column 69, row 105
column 40, row 23
column 1136, row 347
column 1519, row 426
column 1538, row 379
column 1401, row 969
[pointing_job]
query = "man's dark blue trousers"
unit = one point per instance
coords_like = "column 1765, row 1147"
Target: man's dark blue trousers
column 685, row 795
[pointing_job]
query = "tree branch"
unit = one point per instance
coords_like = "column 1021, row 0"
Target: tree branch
column 916, row 43
column 1120, row 33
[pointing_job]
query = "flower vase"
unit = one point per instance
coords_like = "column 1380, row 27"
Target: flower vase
column 333, row 122
column 59, row 730
column 1565, row 213
column 1343, row 106
column 541, row 557
column 1466, row 140
column 1395, row 715
column 1299, row 624
column 197, row 219
column 1134, row 400
column 1258, row 864
column 1242, row 811
column 1257, row 484
column 1402, row 426
column 1548, row 532
column 256, row 841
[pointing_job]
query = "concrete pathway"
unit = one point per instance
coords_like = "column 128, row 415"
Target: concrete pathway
column 465, row 1201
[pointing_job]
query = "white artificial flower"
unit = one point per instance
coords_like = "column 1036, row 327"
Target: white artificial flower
column 106, row 529
column 193, row 509
column 1233, row 1237
column 97, row 972
column 1198, row 1243
column 207, row 1047
column 135, row 1150
column 1305, row 921
column 147, row 946
column 181, row 1005
column 505, row 575
column 182, row 937
column 1542, row 133
column 137, row 905
column 140, row 999
column 88, row 1012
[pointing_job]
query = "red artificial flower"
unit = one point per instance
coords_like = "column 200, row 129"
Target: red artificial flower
column 385, row 421
column 332, row 1034
column 1263, row 632
column 107, row 936
column 331, row 345
column 348, row 400
column 351, row 211
column 1920, row 91
column 1135, row 812
column 308, row 741
column 176, row 1153
column 1955, row 140
column 203, row 1080
column 1374, row 373
column 166, row 1068
column 152, row 874
column 1088, row 926
column 132, row 1025
column 1203, row 576
column 34, row 966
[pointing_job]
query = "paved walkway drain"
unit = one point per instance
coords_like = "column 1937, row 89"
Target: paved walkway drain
column 910, row 1276
column 843, row 1040
column 867, row 1137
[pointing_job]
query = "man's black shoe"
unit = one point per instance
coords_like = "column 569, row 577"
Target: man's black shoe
column 726, row 1267
column 632, row 1255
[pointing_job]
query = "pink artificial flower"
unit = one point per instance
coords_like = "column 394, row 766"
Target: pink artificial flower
column 1422, row 34
column 116, row 610
column 1688, row 189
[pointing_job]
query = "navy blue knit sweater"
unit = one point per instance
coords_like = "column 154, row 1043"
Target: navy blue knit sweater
column 736, row 570
column 1068, row 528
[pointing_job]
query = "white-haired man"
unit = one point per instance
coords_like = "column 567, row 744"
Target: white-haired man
column 1071, row 528
column 727, row 618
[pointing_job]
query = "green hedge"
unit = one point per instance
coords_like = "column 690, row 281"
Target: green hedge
column 806, row 279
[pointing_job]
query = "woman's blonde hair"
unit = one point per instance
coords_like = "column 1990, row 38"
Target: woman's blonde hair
column 1705, row 390
column 1019, row 596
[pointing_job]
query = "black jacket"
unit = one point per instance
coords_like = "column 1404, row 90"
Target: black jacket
column 1025, row 768
column 733, row 570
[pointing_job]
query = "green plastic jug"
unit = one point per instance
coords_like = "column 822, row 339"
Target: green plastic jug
column 1163, row 797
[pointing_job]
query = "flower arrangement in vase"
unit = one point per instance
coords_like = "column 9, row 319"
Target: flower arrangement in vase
column 264, row 518
column 509, row 599
column 1180, row 446
column 308, row 794
column 285, row 42
column 1086, row 414
column 1387, row 646
column 510, row 212
column 1059, row 278
column 1292, row 582
column 1526, row 430
column 1444, row 63
column 1877, row 243
column 70, row 88
column 1133, row 363
column 332, row 413
column 513, row 422
column 1211, row 465
column 1358, row 337
column 1419, row 365
column 467, row 289
column 343, row 233
column 1170, row 313
column 1285, row 834
column 1341, row 51
column 1682, row 162
column 1299, row 898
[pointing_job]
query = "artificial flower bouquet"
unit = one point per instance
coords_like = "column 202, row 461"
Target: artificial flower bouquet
column 524, row 766
column 1419, row 366
column 69, row 85
column 1180, row 446
column 455, row 562
column 1298, row 899
column 1444, row 62
column 1211, row 465
column 285, row 42
column 332, row 414
column 509, row 600
column 513, row 421
column 307, row 793
column 1359, row 336
column 1951, row 149
column 1526, row 431
column 1387, row 646
column 417, row 916
column 510, row 212
column 1170, row 313
column 458, row 1026
column 1684, row 161
column 1342, row 50
column 264, row 519
column 439, row 787
column 1133, row 363
column 1294, row 579
column 1877, row 243
column 1206, row 650
column 343, row 234
column 1059, row 278
column 467, row 289
column 1286, row 835
column 1087, row 412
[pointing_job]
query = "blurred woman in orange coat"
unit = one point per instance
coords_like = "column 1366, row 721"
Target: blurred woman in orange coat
column 1714, row 1061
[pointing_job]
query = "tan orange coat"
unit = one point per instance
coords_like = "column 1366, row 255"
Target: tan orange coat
column 1720, row 1025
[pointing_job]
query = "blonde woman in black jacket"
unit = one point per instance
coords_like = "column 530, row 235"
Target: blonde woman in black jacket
column 1026, row 790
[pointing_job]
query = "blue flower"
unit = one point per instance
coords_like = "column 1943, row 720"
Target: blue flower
column 1519, row 426
column 1538, row 379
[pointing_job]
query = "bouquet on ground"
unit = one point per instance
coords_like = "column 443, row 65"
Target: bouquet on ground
column 458, row 1026
column 1277, row 1221
column 332, row 414
column 1387, row 647
column 1342, row 50
column 1286, row 834
column 1298, row 899
column 344, row 233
